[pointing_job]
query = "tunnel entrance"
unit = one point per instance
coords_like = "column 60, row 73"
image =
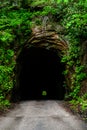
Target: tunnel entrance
column 40, row 74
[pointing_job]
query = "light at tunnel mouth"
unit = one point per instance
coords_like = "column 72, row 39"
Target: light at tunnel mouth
column 40, row 75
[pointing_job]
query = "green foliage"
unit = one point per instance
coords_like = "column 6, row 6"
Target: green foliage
column 78, row 71
column 43, row 2
column 14, row 25
column 7, row 65
column 14, row 29
column 4, row 103
column 76, row 32
column 77, row 20
column 80, row 103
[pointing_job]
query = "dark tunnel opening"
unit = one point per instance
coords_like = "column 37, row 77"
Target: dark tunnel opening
column 40, row 75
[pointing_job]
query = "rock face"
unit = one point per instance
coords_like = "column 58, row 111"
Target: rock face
column 47, row 38
column 84, row 62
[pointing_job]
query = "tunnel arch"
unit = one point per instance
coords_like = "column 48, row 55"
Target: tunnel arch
column 39, row 68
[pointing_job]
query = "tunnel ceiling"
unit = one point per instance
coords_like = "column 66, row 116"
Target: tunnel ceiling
column 46, row 38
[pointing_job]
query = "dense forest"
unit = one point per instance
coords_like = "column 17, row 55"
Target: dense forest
column 17, row 17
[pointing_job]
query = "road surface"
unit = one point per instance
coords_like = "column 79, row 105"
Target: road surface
column 41, row 115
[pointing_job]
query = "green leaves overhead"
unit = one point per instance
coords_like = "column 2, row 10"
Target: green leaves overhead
column 13, row 24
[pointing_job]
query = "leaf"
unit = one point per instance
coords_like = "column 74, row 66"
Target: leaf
column 10, row 52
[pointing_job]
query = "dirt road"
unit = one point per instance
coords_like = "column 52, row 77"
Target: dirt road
column 41, row 115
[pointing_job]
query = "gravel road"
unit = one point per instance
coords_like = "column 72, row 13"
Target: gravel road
column 41, row 115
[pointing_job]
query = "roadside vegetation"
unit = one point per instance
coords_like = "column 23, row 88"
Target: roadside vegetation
column 15, row 26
